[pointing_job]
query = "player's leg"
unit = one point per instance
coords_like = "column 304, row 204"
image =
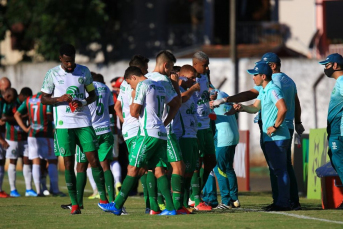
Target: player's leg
column 115, row 166
column 81, row 175
column 33, row 148
column 27, row 168
column 210, row 191
column 12, row 154
column 175, row 160
column 231, row 175
column 209, row 156
column 224, row 188
column 95, row 194
column 3, row 194
column 44, row 173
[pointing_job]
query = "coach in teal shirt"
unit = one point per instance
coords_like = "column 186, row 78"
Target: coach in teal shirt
column 334, row 69
column 275, row 133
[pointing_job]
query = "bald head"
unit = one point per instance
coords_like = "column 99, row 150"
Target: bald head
column 5, row 84
column 10, row 95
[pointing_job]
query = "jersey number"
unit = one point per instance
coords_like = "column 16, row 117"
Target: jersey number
column 160, row 101
column 99, row 106
column 35, row 109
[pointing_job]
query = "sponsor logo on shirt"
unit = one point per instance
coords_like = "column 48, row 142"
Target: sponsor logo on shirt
column 162, row 134
column 334, row 145
column 205, row 97
column 61, row 81
column 74, row 92
column 62, row 151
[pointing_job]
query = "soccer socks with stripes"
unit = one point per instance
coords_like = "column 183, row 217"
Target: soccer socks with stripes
column 81, row 180
column 91, row 179
column 53, row 174
column 36, row 177
column 116, row 171
column 177, row 184
column 2, row 173
column 12, row 176
column 98, row 175
column 145, row 190
column 109, row 181
column 152, row 191
column 27, row 172
column 187, row 185
column 162, row 184
column 128, row 184
column 71, row 185
column 196, row 188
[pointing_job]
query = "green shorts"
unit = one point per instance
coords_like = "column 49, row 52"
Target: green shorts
column 106, row 142
column 148, row 152
column 189, row 147
column 173, row 149
column 65, row 140
column 206, row 142
column 130, row 143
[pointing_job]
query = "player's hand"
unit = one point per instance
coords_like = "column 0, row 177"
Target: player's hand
column 270, row 130
column 65, row 98
column 196, row 87
column 27, row 129
column 217, row 102
column 76, row 103
column 4, row 144
column 214, row 96
column 299, row 128
column 174, row 77
column 2, row 122
column 237, row 107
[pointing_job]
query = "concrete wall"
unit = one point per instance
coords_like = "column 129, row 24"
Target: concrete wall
column 303, row 71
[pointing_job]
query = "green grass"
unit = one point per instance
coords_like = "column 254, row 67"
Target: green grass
column 31, row 212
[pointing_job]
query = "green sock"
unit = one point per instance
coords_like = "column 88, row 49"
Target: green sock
column 98, row 175
column 195, row 188
column 151, row 184
column 162, row 183
column 145, row 190
column 126, row 187
column 109, row 181
column 201, row 178
column 71, row 185
column 160, row 199
column 187, row 185
column 176, row 183
column 81, row 180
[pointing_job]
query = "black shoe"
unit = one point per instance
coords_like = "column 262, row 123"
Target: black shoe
column 278, row 208
column 268, row 207
column 340, row 207
column 40, row 195
column 296, row 206
column 66, row 206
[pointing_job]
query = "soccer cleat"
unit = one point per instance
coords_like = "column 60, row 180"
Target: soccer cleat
column 278, row 208
column 14, row 193
column 66, row 206
column 167, row 212
column 296, row 206
column 118, row 187
column 162, row 206
column 183, row 211
column 40, row 195
column 75, row 210
column 152, row 212
column 123, row 211
column 191, row 203
column 3, row 194
column 203, row 207
column 235, row 204
column 223, row 207
column 30, row 193
column 147, row 210
column 340, row 207
column 46, row 192
column 114, row 210
column 267, row 207
column 59, row 194
column 95, row 195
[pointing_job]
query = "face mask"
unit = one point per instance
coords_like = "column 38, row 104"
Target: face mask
column 329, row 71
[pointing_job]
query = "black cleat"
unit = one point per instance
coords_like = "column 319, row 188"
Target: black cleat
column 66, row 206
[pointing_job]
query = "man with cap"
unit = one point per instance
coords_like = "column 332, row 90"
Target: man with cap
column 275, row 132
column 334, row 69
column 289, row 90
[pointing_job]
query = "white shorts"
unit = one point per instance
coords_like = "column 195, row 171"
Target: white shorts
column 115, row 146
column 41, row 147
column 16, row 149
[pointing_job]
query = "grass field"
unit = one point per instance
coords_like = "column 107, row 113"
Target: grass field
column 32, row 212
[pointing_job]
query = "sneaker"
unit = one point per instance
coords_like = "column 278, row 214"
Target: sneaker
column 167, row 212
column 118, row 187
column 30, row 192
column 66, row 206
column 152, row 212
column 235, row 204
column 46, row 192
column 114, row 210
column 147, row 210
column 14, row 193
column 183, row 211
column 123, row 211
column 191, row 203
column 212, row 204
column 75, row 210
column 268, row 207
column 40, row 195
column 3, row 194
column 59, row 194
column 203, row 207
column 95, row 195
column 223, row 206
column 106, row 207
column 296, row 206
column 278, row 208
column 162, row 206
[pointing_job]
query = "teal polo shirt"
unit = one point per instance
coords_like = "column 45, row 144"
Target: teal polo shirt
column 334, row 120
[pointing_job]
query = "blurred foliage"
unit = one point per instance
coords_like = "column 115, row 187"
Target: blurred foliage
column 46, row 24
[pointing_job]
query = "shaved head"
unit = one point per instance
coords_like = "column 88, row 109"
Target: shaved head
column 10, row 95
column 5, row 84
column 165, row 56
column 186, row 69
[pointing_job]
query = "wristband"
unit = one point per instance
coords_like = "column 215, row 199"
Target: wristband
column 276, row 127
column 84, row 102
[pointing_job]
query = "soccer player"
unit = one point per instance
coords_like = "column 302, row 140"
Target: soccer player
column 185, row 128
column 204, row 134
column 68, row 83
column 40, row 140
column 5, row 84
column 17, row 140
column 289, row 90
column 149, row 151
column 334, row 69
column 276, row 135
column 164, row 65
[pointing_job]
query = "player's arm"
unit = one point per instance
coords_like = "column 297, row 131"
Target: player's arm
column 47, row 99
column 299, row 128
column 240, row 97
column 175, row 82
column 174, row 106
column 90, row 99
column 19, row 119
column 252, row 109
column 281, row 114
column 185, row 96
column 135, row 110
column 119, row 111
